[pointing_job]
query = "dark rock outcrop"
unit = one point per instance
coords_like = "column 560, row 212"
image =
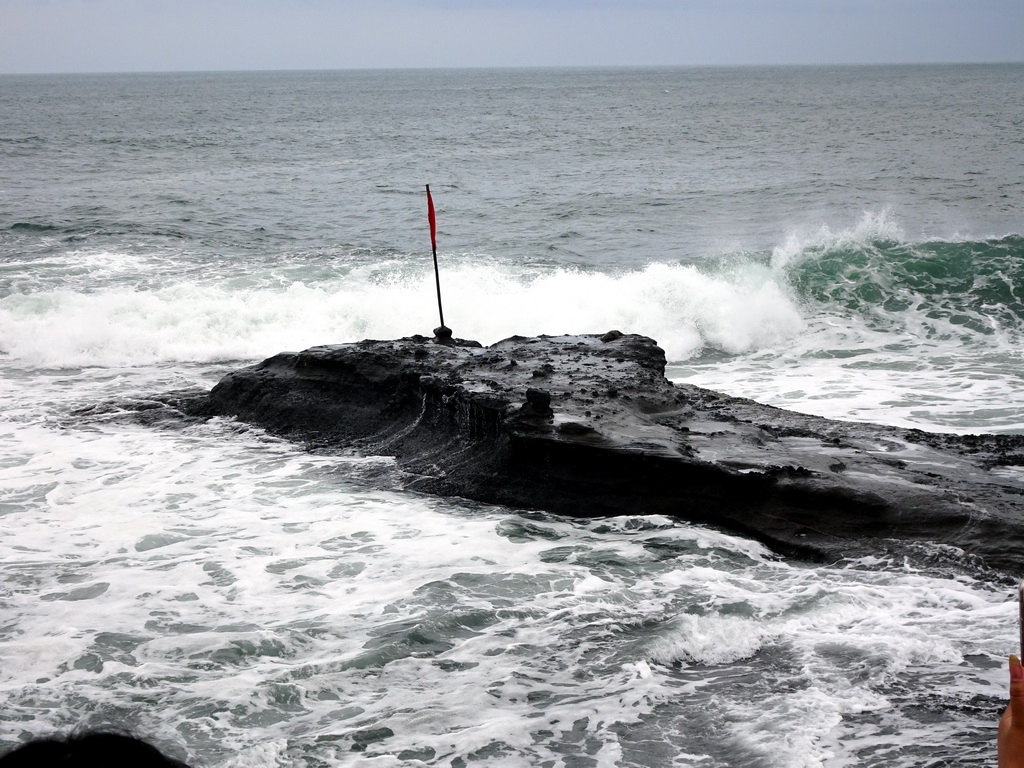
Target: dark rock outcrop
column 588, row 425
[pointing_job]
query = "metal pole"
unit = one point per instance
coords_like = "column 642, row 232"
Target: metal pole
column 444, row 333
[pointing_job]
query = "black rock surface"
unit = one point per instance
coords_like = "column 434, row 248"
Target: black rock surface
column 589, row 426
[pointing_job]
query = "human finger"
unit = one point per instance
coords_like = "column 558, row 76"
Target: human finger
column 1016, row 708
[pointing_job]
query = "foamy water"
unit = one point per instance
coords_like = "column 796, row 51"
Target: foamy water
column 682, row 308
column 256, row 603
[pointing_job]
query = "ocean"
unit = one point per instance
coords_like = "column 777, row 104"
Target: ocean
column 842, row 241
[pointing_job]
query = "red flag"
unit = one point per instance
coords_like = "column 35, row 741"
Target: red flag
column 444, row 333
column 431, row 219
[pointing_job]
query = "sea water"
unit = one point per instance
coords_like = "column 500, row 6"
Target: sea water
column 845, row 241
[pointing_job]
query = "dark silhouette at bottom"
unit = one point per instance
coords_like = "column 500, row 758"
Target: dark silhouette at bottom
column 89, row 750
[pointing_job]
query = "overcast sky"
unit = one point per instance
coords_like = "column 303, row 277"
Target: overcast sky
column 170, row 35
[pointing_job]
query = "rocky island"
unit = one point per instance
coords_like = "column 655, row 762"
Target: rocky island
column 588, row 425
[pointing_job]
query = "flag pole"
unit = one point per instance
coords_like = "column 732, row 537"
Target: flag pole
column 442, row 334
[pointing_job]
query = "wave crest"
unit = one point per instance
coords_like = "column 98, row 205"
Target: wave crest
column 933, row 288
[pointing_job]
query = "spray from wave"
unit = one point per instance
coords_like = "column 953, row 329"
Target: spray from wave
column 682, row 307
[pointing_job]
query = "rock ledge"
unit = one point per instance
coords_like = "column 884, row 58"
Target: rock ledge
column 589, row 426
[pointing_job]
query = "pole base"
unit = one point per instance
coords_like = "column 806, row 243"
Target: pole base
column 443, row 334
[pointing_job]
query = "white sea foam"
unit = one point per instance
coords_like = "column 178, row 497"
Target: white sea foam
column 844, row 370
column 844, row 635
column 679, row 306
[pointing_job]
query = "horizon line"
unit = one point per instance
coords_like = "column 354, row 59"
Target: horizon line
column 778, row 65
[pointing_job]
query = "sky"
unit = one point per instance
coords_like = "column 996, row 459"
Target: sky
column 181, row 35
